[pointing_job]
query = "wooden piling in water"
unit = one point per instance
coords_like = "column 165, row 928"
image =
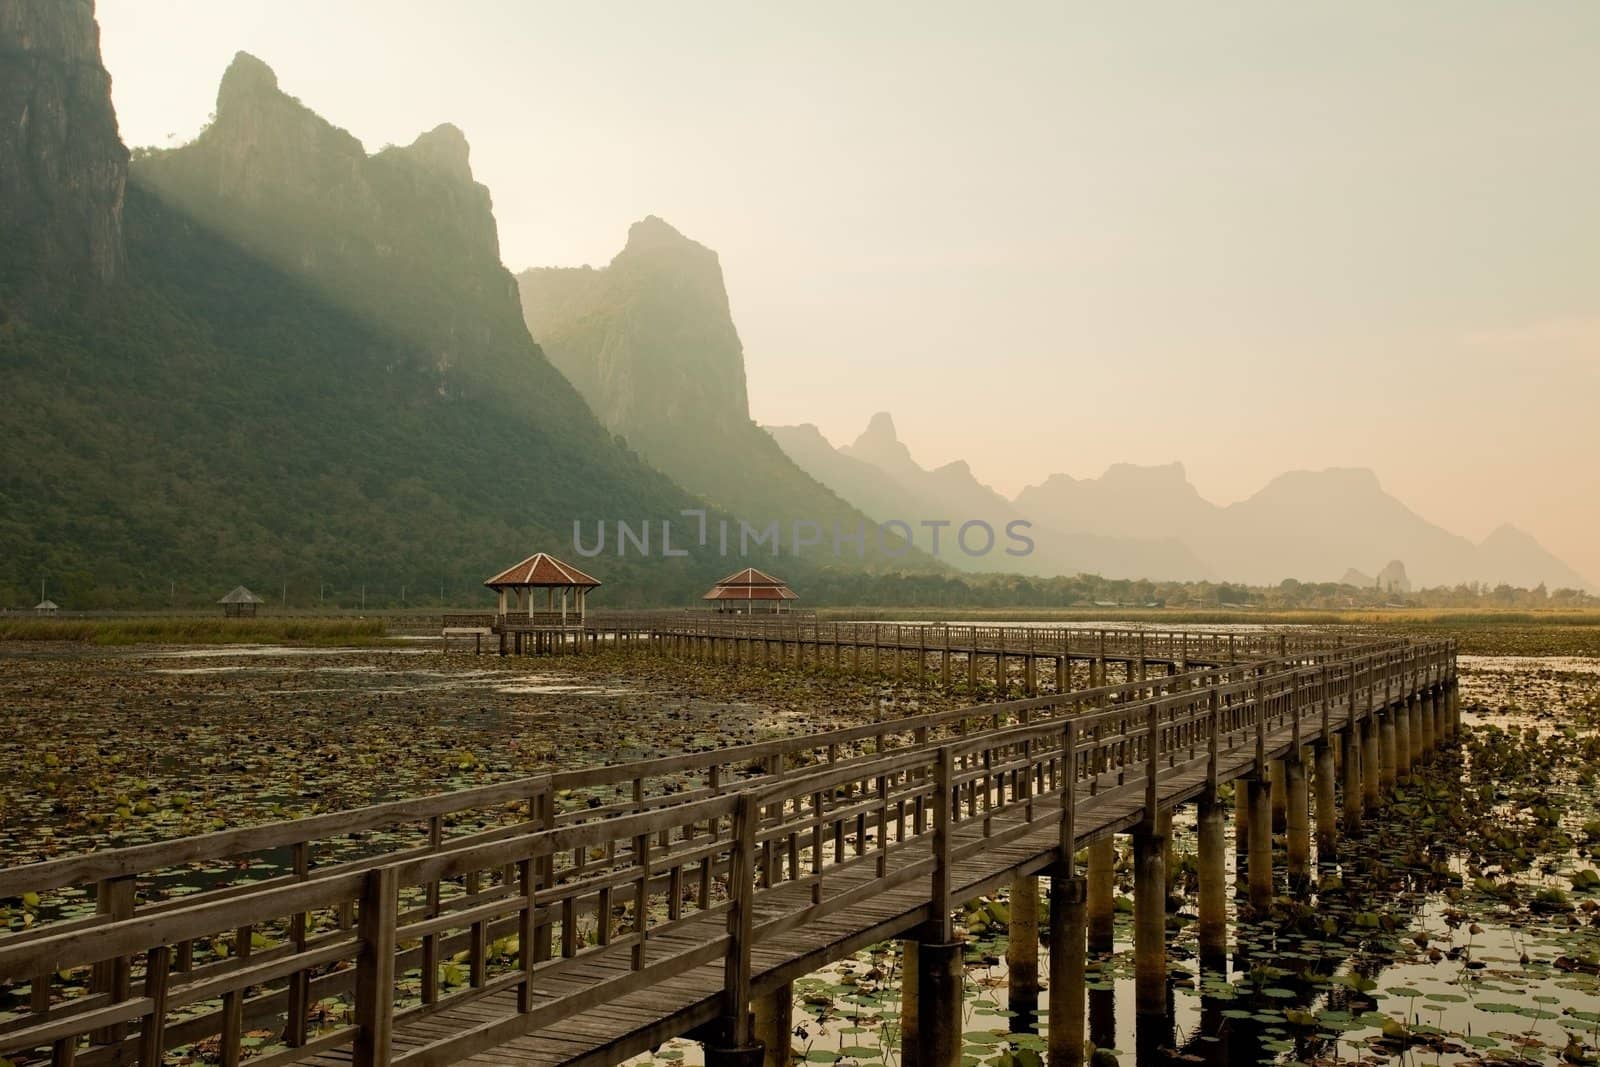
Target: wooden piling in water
column 1102, row 906
column 1149, row 921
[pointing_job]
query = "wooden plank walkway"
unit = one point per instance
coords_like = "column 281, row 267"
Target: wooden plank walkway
column 642, row 1021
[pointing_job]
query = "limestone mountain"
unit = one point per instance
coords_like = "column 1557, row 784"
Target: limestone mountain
column 62, row 165
column 650, row 342
column 312, row 372
column 404, row 237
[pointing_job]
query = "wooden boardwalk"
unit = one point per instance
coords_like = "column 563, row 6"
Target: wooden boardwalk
column 615, row 908
column 917, row 650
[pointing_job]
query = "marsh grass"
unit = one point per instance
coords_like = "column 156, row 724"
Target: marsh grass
column 190, row 630
column 1477, row 631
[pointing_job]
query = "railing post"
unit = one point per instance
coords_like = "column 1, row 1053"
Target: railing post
column 1152, row 762
column 943, row 930
column 114, row 898
column 1069, row 798
column 380, row 906
column 737, row 1029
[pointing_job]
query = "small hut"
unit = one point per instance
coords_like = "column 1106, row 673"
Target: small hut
column 240, row 603
column 46, row 607
column 750, row 592
column 516, row 586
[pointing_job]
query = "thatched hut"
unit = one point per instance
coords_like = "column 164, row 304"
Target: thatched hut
column 240, row 603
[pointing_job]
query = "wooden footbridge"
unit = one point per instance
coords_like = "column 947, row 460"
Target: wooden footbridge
column 582, row 917
column 904, row 650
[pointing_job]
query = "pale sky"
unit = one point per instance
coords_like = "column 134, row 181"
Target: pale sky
column 1048, row 237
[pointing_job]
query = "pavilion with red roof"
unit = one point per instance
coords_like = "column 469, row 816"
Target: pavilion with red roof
column 750, row 591
column 516, row 585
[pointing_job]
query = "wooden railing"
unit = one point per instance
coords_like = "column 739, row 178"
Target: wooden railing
column 675, row 879
column 1170, row 645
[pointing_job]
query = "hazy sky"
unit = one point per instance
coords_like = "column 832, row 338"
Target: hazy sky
column 1251, row 237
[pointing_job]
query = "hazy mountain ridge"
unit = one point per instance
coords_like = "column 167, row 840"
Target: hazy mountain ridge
column 1310, row 525
column 650, row 342
column 878, row 473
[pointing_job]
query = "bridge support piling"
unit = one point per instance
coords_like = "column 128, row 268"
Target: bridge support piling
column 1401, row 716
column 1022, row 954
column 1426, row 716
column 1101, row 890
column 774, row 1026
column 1067, row 950
column 720, row 1054
column 1212, row 860
column 1350, row 750
column 1260, row 801
column 1149, row 921
column 1414, row 715
column 1371, row 763
column 1280, row 796
column 1327, row 811
column 1386, row 737
column 1298, row 820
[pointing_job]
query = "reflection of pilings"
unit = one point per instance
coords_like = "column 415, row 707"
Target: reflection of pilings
column 1101, row 889
column 1241, row 838
column 1149, row 921
column 1298, row 820
column 774, row 1025
column 1067, row 949
column 909, row 1036
column 1153, row 1032
column 1350, row 751
column 1022, row 954
column 1212, row 860
column 939, row 976
column 1327, row 813
column 1103, row 1016
column 1260, row 802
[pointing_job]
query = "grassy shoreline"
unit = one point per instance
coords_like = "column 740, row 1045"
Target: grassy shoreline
column 192, row 630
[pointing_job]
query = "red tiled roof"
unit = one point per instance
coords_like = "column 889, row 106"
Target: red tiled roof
column 750, row 592
column 541, row 570
column 751, row 576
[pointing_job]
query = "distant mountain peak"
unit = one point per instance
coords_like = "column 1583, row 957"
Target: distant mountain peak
column 654, row 230
column 881, row 425
column 881, row 446
column 1150, row 475
column 444, row 149
column 246, row 77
